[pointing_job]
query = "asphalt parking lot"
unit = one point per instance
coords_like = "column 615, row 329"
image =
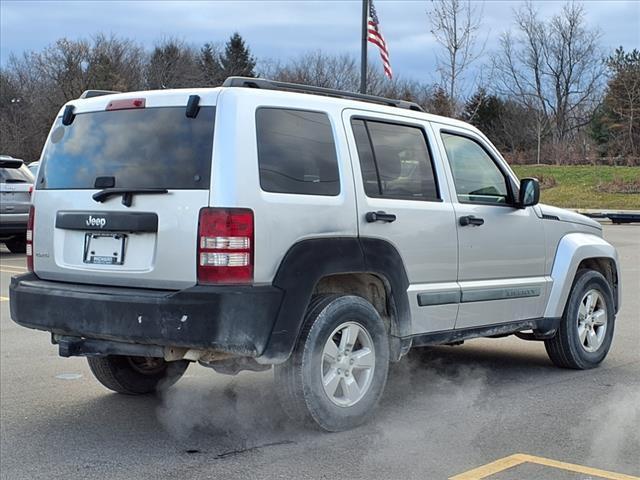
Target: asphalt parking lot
column 494, row 409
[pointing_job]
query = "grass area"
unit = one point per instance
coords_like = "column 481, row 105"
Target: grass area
column 577, row 186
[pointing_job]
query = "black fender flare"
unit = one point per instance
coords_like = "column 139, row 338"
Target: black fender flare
column 308, row 261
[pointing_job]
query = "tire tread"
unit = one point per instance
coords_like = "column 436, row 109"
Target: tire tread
column 289, row 374
column 103, row 370
column 560, row 347
column 112, row 374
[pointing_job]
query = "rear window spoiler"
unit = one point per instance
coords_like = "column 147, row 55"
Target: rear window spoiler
column 96, row 93
column 9, row 162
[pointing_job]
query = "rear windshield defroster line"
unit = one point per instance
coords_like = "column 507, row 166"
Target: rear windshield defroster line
column 141, row 148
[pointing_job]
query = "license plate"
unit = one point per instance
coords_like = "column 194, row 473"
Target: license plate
column 104, row 248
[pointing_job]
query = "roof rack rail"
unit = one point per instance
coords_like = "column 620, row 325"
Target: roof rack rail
column 265, row 84
column 96, row 93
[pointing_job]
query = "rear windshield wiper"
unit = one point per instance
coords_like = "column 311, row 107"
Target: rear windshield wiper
column 15, row 180
column 127, row 193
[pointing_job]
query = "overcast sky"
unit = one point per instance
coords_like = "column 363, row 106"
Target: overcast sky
column 280, row 30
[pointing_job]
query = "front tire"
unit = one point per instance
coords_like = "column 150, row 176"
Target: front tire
column 135, row 375
column 337, row 371
column 586, row 328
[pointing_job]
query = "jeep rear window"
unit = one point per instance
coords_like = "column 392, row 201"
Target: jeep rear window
column 140, row 148
column 296, row 152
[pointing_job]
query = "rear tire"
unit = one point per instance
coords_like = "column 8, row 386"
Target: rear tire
column 586, row 328
column 135, row 375
column 17, row 244
column 337, row 371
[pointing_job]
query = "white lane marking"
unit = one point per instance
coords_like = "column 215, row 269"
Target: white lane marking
column 69, row 376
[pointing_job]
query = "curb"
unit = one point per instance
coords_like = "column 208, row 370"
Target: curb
column 616, row 216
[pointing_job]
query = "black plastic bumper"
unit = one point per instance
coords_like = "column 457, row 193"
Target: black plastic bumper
column 234, row 319
column 12, row 229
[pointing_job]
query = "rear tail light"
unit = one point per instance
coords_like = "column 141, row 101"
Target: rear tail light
column 225, row 246
column 30, row 221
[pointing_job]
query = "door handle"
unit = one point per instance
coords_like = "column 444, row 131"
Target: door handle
column 380, row 217
column 471, row 220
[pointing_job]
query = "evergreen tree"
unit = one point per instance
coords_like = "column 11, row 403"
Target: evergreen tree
column 210, row 66
column 507, row 124
column 440, row 104
column 483, row 110
column 616, row 124
column 237, row 59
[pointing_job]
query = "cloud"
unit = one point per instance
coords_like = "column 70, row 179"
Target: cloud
column 280, row 30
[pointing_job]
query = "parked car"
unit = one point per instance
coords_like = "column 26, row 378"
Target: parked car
column 33, row 168
column 321, row 232
column 16, row 184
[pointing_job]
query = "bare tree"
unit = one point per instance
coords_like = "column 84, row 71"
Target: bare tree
column 63, row 65
column 35, row 85
column 115, row 64
column 211, row 71
column 553, row 68
column 342, row 72
column 455, row 25
column 172, row 64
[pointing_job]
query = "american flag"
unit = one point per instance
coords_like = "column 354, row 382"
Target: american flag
column 374, row 35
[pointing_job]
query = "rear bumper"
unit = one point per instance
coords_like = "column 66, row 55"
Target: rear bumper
column 13, row 224
column 233, row 319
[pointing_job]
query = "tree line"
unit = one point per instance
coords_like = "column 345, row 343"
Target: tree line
column 548, row 94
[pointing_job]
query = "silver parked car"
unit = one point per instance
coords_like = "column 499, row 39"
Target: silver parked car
column 16, row 185
column 318, row 232
column 33, row 167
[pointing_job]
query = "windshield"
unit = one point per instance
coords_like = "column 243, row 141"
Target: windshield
column 140, row 148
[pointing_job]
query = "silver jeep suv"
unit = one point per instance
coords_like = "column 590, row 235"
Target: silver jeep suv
column 324, row 233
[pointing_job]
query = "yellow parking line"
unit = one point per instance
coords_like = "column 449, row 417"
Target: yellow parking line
column 520, row 458
column 490, row 468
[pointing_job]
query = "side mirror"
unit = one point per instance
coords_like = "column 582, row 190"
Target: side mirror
column 529, row 194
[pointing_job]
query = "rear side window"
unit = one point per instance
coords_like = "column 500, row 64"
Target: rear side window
column 296, row 152
column 394, row 160
column 140, row 148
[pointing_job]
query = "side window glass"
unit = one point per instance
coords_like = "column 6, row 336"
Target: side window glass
column 477, row 178
column 296, row 152
column 367, row 162
column 395, row 161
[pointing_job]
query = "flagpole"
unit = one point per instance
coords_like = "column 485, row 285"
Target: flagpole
column 363, row 47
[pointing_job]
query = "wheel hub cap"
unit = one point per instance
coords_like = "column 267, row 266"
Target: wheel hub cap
column 592, row 321
column 348, row 362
